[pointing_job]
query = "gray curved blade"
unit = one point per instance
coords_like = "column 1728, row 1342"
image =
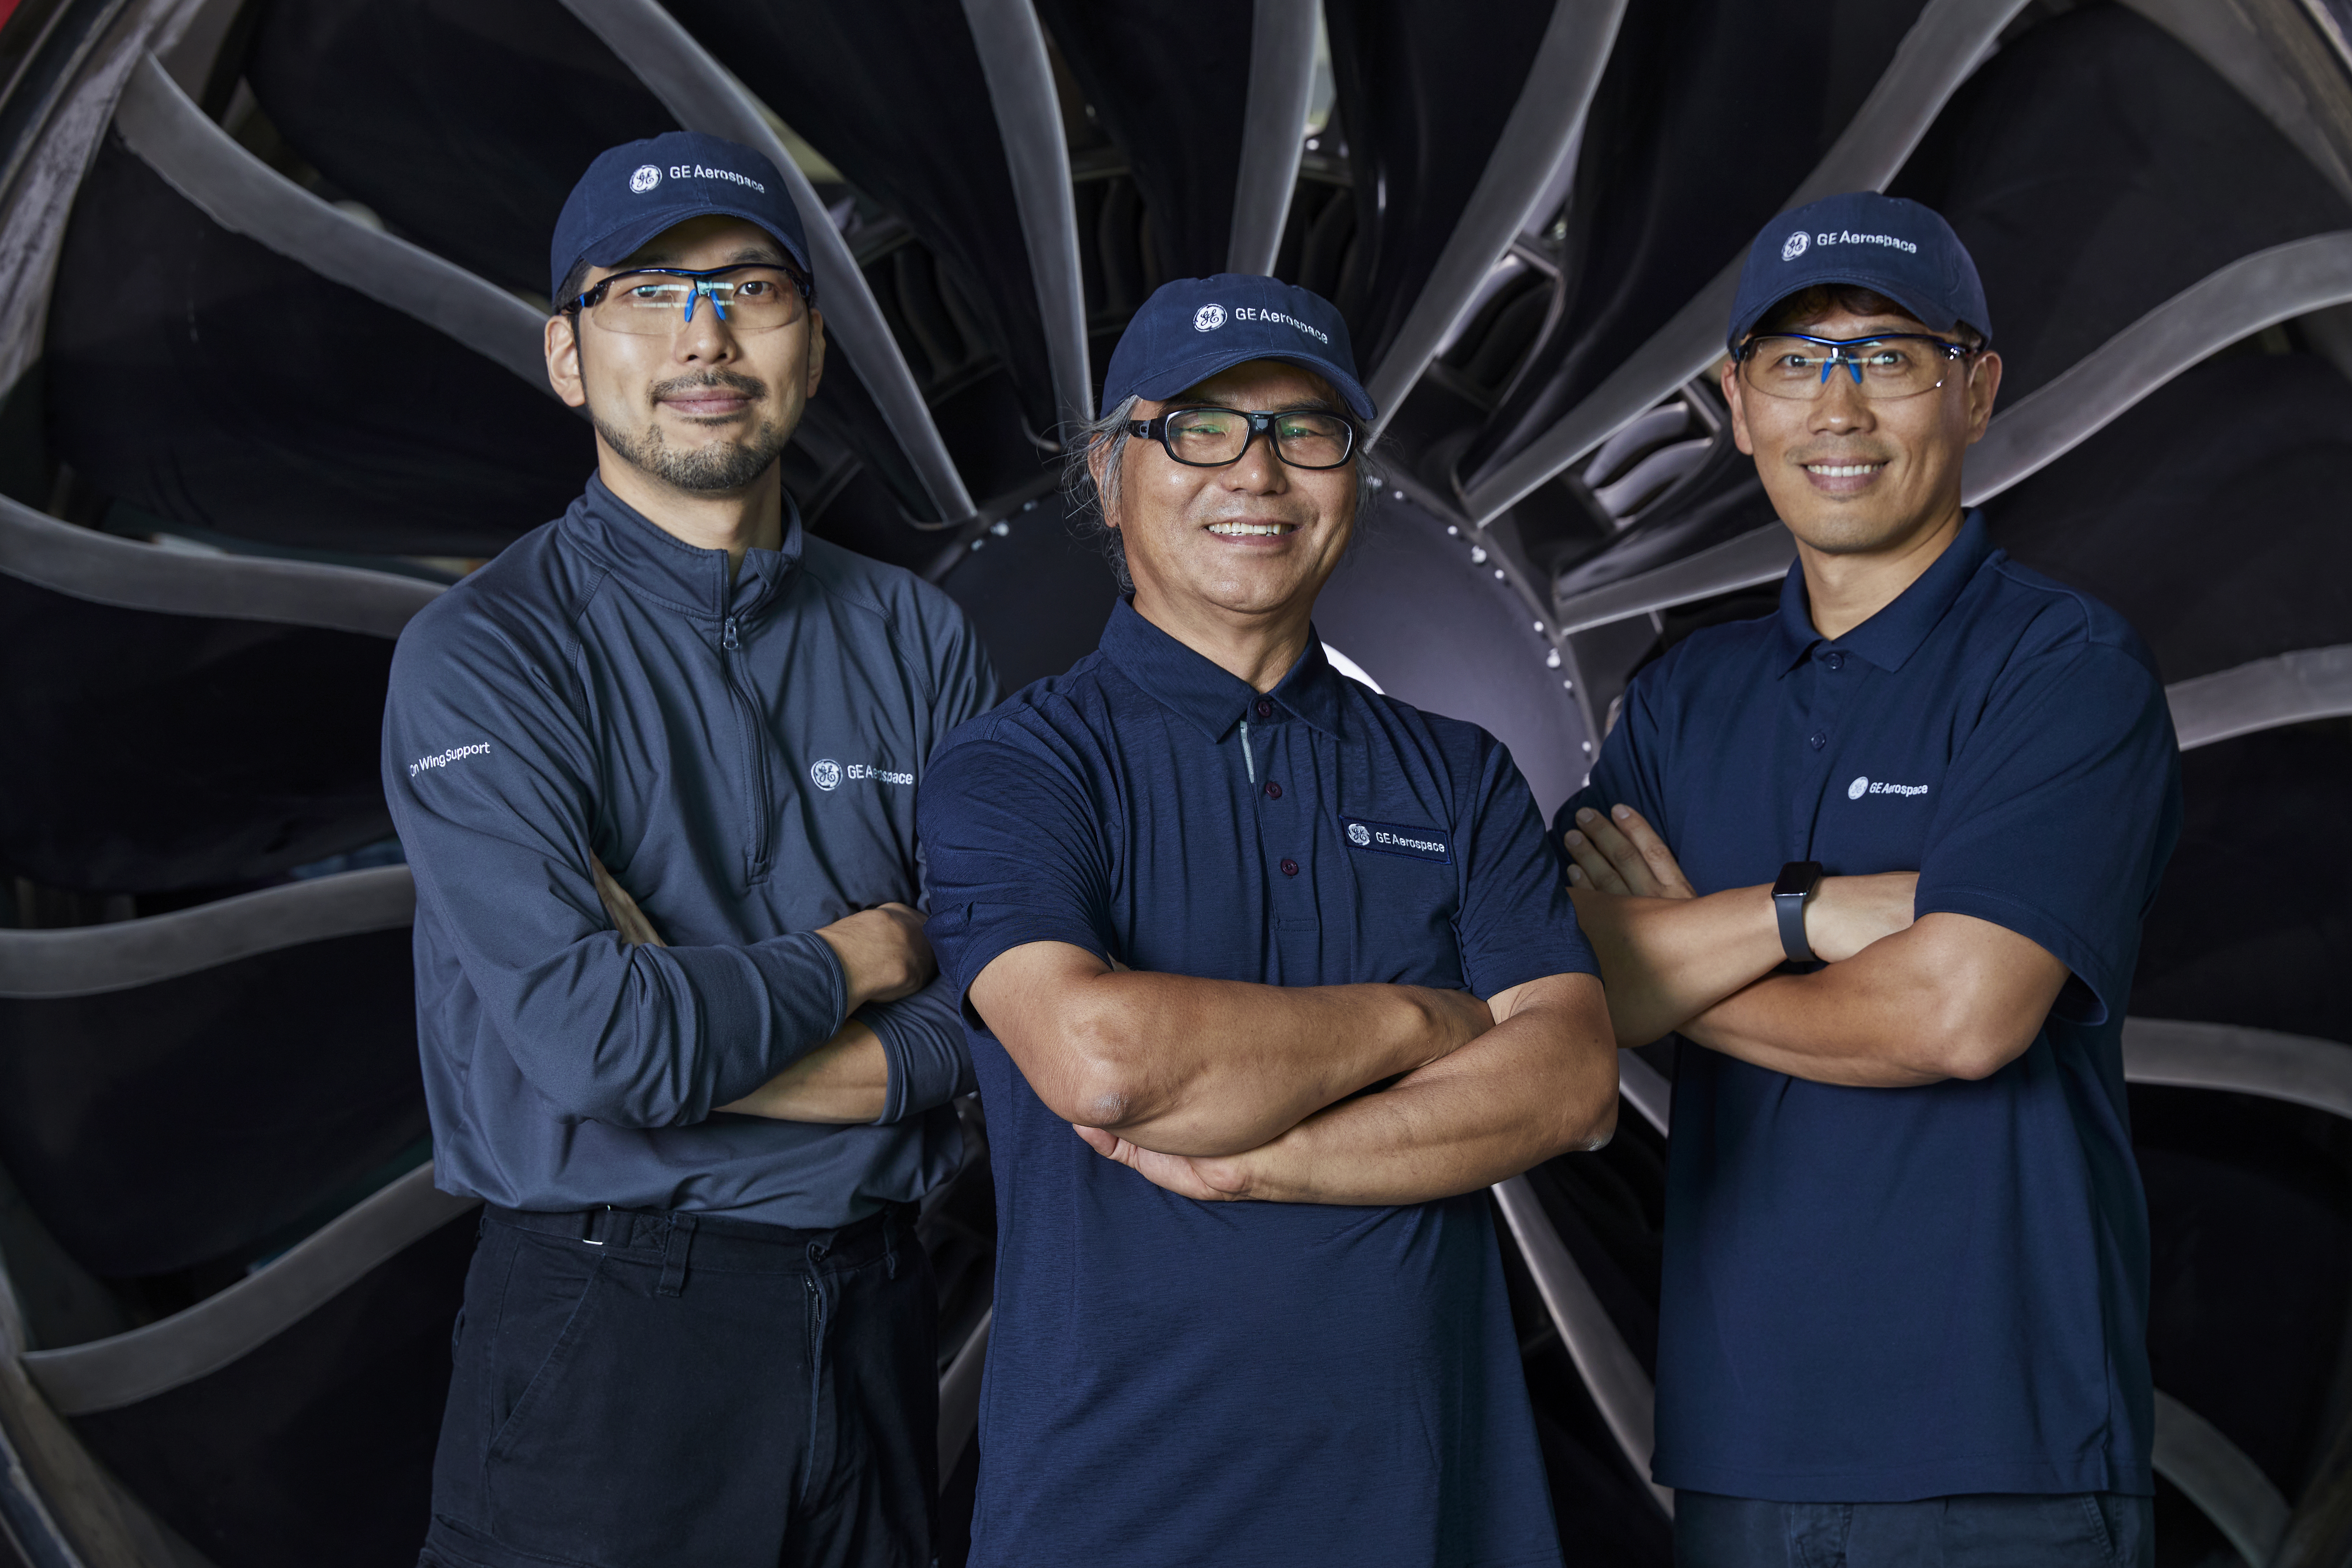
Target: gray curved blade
column 244, row 195
column 1011, row 45
column 198, row 1340
column 1544, row 126
column 1274, row 130
column 1935, row 56
column 84, row 961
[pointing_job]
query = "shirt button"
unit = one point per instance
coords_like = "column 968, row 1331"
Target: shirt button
column 1834, row 660
column 1290, row 868
column 1264, row 709
column 1273, row 790
column 1819, row 739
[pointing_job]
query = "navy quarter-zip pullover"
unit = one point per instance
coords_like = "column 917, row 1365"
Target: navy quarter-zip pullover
column 742, row 756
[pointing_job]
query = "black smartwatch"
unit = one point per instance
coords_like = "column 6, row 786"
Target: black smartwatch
column 1800, row 880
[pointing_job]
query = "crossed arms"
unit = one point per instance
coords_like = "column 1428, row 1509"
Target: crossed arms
column 846, row 1079
column 1222, row 1089
column 1901, row 1002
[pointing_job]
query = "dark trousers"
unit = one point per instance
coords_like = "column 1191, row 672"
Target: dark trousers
column 638, row 1390
column 2095, row 1529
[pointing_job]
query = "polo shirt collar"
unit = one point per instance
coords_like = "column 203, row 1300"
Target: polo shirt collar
column 1210, row 697
column 1891, row 636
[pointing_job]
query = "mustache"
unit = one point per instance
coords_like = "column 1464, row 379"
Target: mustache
column 708, row 380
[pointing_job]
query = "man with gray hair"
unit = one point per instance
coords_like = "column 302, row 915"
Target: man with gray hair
column 1267, row 976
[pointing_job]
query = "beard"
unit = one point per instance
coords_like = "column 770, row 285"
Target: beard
column 725, row 464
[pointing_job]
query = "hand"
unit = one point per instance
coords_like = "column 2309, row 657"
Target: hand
column 1849, row 913
column 627, row 919
column 1200, row 1178
column 1624, row 855
column 883, row 953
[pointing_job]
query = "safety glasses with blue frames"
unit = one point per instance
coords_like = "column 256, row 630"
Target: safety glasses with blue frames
column 1212, row 437
column 1883, row 365
column 752, row 297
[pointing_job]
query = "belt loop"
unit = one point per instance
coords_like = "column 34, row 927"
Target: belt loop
column 677, row 1240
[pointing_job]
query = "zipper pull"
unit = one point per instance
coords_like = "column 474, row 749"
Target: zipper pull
column 727, row 638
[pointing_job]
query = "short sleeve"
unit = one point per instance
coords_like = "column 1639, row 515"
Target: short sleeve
column 1016, row 854
column 2059, row 813
column 1517, row 923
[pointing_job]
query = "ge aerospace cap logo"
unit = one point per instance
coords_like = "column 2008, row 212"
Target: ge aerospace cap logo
column 1208, row 318
column 1358, row 834
column 1793, row 247
column 826, row 775
column 644, row 179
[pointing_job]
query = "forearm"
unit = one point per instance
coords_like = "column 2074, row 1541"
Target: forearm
column 1187, row 1066
column 1950, row 997
column 1540, row 1083
column 1665, row 961
column 1832, row 1026
column 647, row 1037
column 845, row 1080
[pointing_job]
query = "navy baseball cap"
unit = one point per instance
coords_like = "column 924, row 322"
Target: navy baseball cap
column 1194, row 327
column 634, row 192
column 1884, row 244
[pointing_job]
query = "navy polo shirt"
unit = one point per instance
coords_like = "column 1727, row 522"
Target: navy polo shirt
column 1882, row 1294
column 1177, row 1382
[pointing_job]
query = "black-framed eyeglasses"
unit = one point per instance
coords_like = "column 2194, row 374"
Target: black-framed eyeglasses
column 750, row 297
column 1885, row 364
column 1212, row 437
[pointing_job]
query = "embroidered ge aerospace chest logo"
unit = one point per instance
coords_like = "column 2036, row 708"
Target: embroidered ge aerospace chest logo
column 644, row 179
column 1864, row 784
column 1208, row 318
column 828, row 774
column 1389, row 839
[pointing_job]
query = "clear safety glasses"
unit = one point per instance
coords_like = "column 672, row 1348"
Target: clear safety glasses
column 1891, row 364
column 753, row 298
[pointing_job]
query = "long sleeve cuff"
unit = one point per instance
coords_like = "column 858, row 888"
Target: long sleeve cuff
column 923, row 1040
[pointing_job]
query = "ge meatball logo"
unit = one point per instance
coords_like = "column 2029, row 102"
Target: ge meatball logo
column 1357, row 834
column 1208, row 318
column 1857, row 789
column 1793, row 247
column 648, row 177
column 826, row 775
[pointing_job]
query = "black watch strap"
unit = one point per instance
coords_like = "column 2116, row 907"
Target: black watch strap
column 1798, row 880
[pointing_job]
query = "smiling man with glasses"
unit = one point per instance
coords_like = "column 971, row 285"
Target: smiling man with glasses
column 700, row 1091
column 1916, row 817
column 1268, row 976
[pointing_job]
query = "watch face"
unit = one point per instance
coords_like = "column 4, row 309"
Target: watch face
column 1798, row 879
